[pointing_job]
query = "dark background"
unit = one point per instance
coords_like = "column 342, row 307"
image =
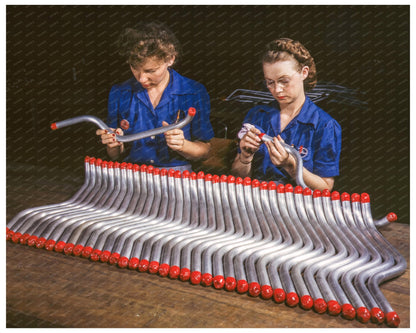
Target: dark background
column 61, row 63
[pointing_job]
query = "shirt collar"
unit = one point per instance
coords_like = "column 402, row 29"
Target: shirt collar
column 308, row 113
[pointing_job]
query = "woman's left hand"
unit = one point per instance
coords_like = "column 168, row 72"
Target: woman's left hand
column 174, row 138
column 278, row 154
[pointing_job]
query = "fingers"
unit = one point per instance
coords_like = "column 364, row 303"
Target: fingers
column 278, row 154
column 110, row 139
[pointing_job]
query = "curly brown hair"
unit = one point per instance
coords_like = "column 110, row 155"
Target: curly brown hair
column 283, row 49
column 146, row 40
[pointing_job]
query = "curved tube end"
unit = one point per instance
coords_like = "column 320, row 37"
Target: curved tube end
column 206, row 279
column 345, row 196
column 40, row 242
column 355, row 197
column 348, row 311
column 164, row 270
column 218, row 282
column 59, row 247
column 123, row 262
column 77, row 250
column 185, row 274
column 69, row 247
column 9, row 234
column 86, row 252
column 133, row 263
column 104, row 256
column 174, row 272
column 365, row 198
column 192, row 111
column 54, row 126
column 319, row 305
column 306, row 302
column 31, row 241
column 392, row 319
column 143, row 265
column 363, row 314
column 95, row 255
column 254, row 289
column 230, row 283
column 113, row 260
column 391, row 217
column 279, row 295
column 16, row 236
column 23, row 239
column 292, row 299
column 196, row 277
column 49, row 245
column 266, row 291
column 242, row 286
column 334, row 309
column 377, row 315
column 154, row 267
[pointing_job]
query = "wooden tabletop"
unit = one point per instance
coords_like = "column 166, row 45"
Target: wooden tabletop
column 49, row 289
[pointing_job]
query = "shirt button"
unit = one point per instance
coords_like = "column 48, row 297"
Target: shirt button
column 152, row 137
column 151, row 161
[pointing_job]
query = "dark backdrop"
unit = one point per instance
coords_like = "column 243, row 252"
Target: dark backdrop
column 61, row 62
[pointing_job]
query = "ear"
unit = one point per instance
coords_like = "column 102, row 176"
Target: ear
column 305, row 72
column 171, row 61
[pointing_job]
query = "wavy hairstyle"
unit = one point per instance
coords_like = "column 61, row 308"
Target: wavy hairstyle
column 284, row 48
column 147, row 40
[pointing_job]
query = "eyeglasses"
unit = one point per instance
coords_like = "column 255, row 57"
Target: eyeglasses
column 282, row 82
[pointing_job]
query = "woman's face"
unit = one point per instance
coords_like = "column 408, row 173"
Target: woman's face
column 152, row 72
column 284, row 80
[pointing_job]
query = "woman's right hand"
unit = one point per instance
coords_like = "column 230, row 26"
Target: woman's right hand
column 109, row 139
column 250, row 143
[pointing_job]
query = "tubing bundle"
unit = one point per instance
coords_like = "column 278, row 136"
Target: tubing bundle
column 320, row 250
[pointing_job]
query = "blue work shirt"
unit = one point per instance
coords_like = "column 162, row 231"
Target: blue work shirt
column 129, row 104
column 315, row 134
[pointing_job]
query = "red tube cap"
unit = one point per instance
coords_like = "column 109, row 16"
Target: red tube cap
column 279, row 295
column 306, row 302
column 123, row 262
column 377, row 316
column 391, row 217
column 254, row 289
column 206, row 279
column 104, row 256
column 363, row 314
column 266, row 291
column 59, row 247
column 230, row 283
column 289, row 188
column 218, row 282
column 185, row 274
column 365, row 198
column 50, row 244
column 143, row 265
column 320, row 305
column 134, row 263
column 40, row 242
column 113, row 260
column 292, row 299
column 242, row 286
column 348, row 311
column 95, row 255
column 334, row 309
column 164, row 270
column 86, row 252
column 192, row 111
column 153, row 267
column 196, row 277
column 174, row 272
column 392, row 319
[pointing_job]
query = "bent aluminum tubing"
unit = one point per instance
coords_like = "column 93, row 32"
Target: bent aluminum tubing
column 295, row 154
column 105, row 240
column 397, row 268
column 125, row 138
column 17, row 220
column 329, row 251
column 20, row 218
column 85, row 233
column 60, row 222
column 287, row 270
column 117, row 204
column 44, row 219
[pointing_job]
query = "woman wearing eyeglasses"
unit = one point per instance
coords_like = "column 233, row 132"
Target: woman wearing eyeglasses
column 289, row 70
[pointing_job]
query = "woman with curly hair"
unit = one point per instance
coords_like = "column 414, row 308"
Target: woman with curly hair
column 289, row 70
column 156, row 96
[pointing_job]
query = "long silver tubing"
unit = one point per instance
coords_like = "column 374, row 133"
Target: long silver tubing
column 44, row 219
column 125, row 138
column 291, row 150
column 78, row 197
column 397, row 265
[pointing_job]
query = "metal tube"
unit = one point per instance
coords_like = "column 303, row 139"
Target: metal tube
column 125, row 138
